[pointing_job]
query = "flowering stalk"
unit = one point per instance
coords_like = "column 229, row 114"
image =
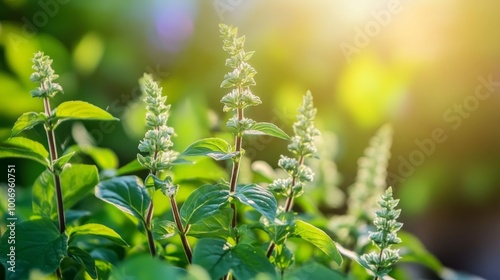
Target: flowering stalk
column 44, row 75
column 240, row 97
column 386, row 235
column 157, row 145
column 364, row 193
column 370, row 180
column 302, row 147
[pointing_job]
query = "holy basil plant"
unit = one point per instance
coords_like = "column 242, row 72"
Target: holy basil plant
column 45, row 242
column 179, row 214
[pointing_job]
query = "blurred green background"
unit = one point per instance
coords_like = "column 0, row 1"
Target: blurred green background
column 427, row 67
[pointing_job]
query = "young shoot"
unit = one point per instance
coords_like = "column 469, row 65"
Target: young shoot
column 159, row 156
column 381, row 262
column 44, row 76
column 302, row 147
column 239, row 79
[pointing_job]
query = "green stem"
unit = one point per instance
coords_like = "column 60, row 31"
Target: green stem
column 380, row 260
column 270, row 249
column 180, row 227
column 151, row 241
column 288, row 206
column 236, row 168
column 53, row 156
column 347, row 266
column 234, row 175
column 149, row 217
column 289, row 200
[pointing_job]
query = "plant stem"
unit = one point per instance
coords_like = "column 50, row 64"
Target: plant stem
column 270, row 249
column 380, row 259
column 151, row 241
column 53, row 156
column 289, row 200
column 347, row 264
column 149, row 218
column 182, row 232
column 288, row 206
column 234, row 175
column 236, row 167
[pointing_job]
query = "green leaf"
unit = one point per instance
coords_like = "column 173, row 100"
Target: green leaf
column 313, row 271
column 349, row 254
column 106, row 254
column 283, row 226
column 130, row 167
column 282, row 257
column 203, row 202
column 218, row 257
column 135, row 166
column 249, row 263
column 214, row 255
column 84, row 259
column 39, row 245
column 80, row 110
column 215, row 148
column 127, row 193
column 263, row 128
column 258, row 198
column 20, row 147
column 77, row 180
column 104, row 268
column 72, row 216
column 58, row 164
column 163, row 229
column 144, row 267
column 412, row 250
column 27, row 121
column 226, row 83
column 152, row 181
column 358, row 269
column 248, row 232
column 198, row 174
column 216, row 225
column 104, row 158
column 181, row 161
column 97, row 230
column 318, row 238
column 43, row 195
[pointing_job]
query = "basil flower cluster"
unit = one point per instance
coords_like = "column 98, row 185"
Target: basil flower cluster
column 239, row 79
column 382, row 262
column 303, row 141
column 371, row 178
column 302, row 146
column 44, row 75
column 156, row 143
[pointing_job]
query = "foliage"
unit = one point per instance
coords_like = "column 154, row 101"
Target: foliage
column 228, row 226
column 61, row 185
